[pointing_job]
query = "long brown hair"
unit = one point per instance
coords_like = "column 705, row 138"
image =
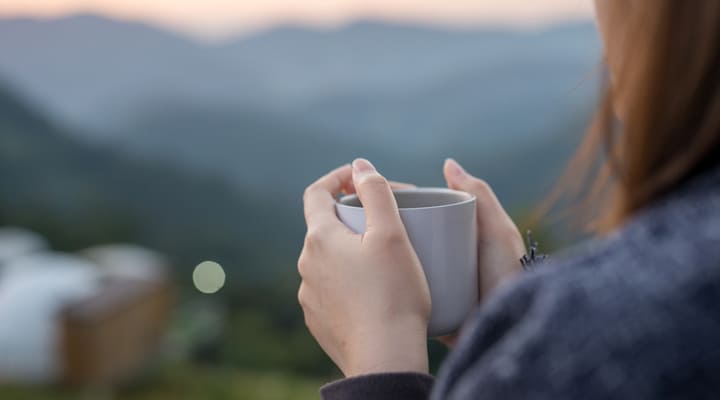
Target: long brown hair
column 666, row 89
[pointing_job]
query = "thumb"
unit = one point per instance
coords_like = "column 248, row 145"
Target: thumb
column 381, row 210
column 458, row 179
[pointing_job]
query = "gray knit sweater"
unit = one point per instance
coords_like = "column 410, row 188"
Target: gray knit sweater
column 635, row 315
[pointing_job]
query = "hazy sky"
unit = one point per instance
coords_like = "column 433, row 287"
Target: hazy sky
column 217, row 18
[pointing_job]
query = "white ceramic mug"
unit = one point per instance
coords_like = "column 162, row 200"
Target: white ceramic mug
column 442, row 227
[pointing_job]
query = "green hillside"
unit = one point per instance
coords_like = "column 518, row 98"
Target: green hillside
column 79, row 195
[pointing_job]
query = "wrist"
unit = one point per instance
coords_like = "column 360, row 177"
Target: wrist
column 393, row 347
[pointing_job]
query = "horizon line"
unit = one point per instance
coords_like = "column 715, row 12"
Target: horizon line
column 240, row 33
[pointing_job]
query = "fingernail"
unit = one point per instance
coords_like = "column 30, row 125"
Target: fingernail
column 362, row 166
column 454, row 168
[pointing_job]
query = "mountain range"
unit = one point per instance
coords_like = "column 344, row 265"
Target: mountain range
column 90, row 68
column 268, row 113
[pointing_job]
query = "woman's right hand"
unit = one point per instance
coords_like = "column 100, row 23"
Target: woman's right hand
column 500, row 245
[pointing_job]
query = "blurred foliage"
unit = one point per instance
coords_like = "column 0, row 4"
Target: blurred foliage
column 255, row 339
column 79, row 194
column 187, row 382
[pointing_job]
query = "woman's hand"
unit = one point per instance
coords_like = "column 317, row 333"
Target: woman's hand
column 365, row 297
column 500, row 245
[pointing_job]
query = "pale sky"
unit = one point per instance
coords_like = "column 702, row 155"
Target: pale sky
column 219, row 18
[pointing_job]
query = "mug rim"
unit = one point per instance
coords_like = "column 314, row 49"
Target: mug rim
column 470, row 198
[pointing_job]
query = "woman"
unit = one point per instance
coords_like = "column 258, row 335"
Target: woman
column 633, row 314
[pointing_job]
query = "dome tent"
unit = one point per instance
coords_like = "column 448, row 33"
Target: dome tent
column 18, row 242
column 33, row 290
column 128, row 261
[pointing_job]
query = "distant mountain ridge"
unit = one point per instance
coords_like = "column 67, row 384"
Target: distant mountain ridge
column 91, row 69
column 85, row 66
column 270, row 112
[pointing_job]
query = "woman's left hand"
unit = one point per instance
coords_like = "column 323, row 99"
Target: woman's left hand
column 365, row 297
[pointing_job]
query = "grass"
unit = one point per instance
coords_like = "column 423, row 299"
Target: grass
column 188, row 382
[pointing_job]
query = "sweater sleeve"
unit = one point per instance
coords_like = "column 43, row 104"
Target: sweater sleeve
column 395, row 386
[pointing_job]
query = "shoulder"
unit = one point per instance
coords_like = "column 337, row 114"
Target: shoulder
column 632, row 313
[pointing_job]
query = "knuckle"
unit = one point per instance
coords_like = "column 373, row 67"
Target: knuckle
column 308, row 192
column 310, row 214
column 301, row 297
column 313, row 238
column 302, row 265
column 316, row 236
column 319, row 234
column 480, row 187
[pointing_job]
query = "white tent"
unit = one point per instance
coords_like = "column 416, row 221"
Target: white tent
column 17, row 242
column 33, row 289
column 127, row 261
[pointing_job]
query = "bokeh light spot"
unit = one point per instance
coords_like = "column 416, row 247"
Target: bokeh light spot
column 208, row 277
